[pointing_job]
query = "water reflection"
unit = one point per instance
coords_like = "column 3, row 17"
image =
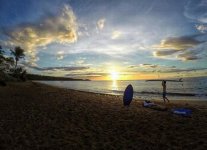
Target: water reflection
column 114, row 85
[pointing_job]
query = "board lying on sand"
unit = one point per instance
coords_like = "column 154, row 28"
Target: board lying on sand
column 152, row 105
column 182, row 112
column 128, row 95
column 180, row 80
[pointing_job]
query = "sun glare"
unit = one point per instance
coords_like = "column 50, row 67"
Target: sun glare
column 114, row 75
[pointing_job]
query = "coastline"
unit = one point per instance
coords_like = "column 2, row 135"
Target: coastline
column 141, row 90
column 37, row 116
column 193, row 100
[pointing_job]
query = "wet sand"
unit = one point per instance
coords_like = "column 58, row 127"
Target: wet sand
column 37, row 116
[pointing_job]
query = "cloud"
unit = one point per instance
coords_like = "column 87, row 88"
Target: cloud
column 91, row 74
column 60, row 55
column 148, row 65
column 182, row 48
column 156, row 68
column 177, row 70
column 196, row 10
column 147, row 68
column 60, row 28
column 160, row 53
column 59, row 68
column 178, row 43
column 197, row 52
column 81, row 61
column 101, row 23
column 188, row 56
column 116, row 35
column 202, row 28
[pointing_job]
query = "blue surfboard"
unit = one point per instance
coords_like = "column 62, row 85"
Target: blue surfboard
column 182, row 112
column 128, row 95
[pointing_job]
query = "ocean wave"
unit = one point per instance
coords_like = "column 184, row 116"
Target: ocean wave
column 173, row 94
column 160, row 93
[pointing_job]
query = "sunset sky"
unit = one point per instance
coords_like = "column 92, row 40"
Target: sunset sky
column 108, row 39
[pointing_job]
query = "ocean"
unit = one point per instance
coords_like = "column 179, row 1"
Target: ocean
column 189, row 89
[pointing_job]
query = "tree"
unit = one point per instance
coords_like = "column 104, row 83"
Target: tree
column 7, row 70
column 0, row 50
column 2, row 58
column 18, row 53
column 1, row 55
column 5, row 61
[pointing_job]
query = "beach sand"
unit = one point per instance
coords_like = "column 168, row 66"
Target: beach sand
column 37, row 116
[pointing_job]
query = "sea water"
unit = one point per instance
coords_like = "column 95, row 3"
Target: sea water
column 189, row 89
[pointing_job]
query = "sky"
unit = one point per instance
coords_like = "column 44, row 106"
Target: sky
column 108, row 39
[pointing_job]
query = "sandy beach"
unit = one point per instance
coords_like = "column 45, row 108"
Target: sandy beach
column 37, row 116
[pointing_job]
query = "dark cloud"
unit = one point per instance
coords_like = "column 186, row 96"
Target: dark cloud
column 184, row 47
column 188, row 56
column 144, row 66
column 132, row 66
column 165, row 69
column 161, row 53
column 182, row 42
column 198, row 52
column 91, row 74
column 149, row 65
column 173, row 67
column 179, row 43
column 174, row 70
column 59, row 68
column 149, row 68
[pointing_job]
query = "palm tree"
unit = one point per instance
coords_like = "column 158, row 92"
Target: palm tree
column 18, row 53
column 1, row 55
column 5, row 61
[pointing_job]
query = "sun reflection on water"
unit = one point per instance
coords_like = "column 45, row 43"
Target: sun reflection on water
column 114, row 85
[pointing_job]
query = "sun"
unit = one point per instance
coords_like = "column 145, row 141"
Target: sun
column 114, row 75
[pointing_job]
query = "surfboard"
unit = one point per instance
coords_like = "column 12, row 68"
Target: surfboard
column 180, row 80
column 154, row 106
column 182, row 112
column 128, row 95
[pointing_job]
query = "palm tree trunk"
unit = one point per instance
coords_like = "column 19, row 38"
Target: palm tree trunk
column 16, row 65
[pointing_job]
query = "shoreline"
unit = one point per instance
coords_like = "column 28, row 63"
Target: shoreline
column 38, row 116
column 136, row 97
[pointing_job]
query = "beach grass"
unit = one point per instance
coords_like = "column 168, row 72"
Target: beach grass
column 37, row 116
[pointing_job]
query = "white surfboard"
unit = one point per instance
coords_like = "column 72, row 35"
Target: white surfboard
column 180, row 80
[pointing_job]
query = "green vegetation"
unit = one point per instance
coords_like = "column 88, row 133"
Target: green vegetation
column 9, row 71
column 18, row 53
column 5, row 61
